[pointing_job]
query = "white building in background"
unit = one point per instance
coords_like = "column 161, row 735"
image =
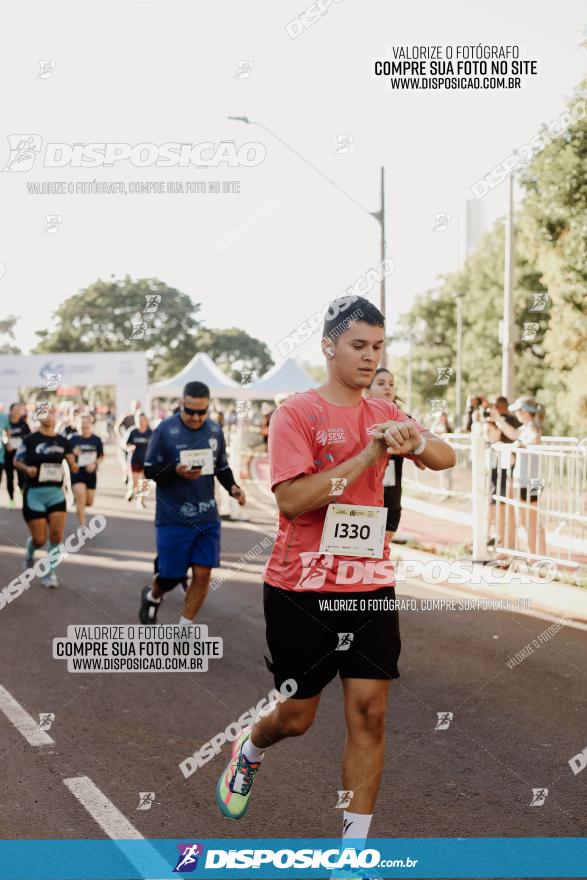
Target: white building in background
column 475, row 224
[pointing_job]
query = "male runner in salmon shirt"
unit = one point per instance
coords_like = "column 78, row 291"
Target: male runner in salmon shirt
column 330, row 446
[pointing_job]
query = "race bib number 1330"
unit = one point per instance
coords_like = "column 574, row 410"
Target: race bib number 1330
column 354, row 530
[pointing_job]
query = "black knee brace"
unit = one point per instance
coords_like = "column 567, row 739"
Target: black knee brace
column 166, row 584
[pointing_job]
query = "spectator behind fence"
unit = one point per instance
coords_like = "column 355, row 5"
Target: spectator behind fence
column 525, row 472
column 441, row 425
column 499, row 464
column 472, row 412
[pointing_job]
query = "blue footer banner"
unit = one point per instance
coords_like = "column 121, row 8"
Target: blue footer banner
column 289, row 857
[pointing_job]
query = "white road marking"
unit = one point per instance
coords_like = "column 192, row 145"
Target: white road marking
column 24, row 723
column 102, row 811
column 146, row 859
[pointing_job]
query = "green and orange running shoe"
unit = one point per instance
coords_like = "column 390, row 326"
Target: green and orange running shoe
column 234, row 786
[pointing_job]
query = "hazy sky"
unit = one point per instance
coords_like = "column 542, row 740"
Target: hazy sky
column 150, row 71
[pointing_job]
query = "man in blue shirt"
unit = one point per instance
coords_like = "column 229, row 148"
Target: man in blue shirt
column 184, row 455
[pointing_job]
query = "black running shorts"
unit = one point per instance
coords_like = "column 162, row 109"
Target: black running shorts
column 311, row 644
column 89, row 480
column 39, row 504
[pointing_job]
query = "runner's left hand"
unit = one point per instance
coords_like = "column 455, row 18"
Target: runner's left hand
column 401, row 437
column 238, row 493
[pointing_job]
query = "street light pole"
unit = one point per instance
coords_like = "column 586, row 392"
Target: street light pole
column 459, row 376
column 410, row 370
column 507, row 363
column 378, row 215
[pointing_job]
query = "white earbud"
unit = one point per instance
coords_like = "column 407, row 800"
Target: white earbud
column 329, row 352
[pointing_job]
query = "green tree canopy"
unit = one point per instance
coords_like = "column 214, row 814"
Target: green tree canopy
column 550, row 258
column 147, row 315
column 7, row 326
column 553, row 232
column 107, row 315
column 234, row 351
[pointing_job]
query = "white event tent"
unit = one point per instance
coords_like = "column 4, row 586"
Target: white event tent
column 284, row 378
column 201, row 368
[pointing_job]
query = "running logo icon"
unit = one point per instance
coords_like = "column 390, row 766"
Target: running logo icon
column 152, row 302
column 441, row 222
column 539, row 301
column 146, row 800
column 139, row 328
column 344, row 801
column 42, row 409
column 314, row 568
column 52, row 223
column 338, row 485
column 342, row 144
column 244, row 69
column 52, row 381
column 46, row 719
column 344, row 641
column 443, row 374
column 242, row 408
column 189, row 854
column 444, row 719
column 536, row 486
column 530, row 331
column 23, row 151
column 46, row 68
column 437, row 406
column 539, row 795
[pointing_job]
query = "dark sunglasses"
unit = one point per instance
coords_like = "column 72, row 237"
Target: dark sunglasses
column 194, row 412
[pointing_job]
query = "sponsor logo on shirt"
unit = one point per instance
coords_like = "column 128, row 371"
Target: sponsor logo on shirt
column 189, row 510
column 330, row 435
column 47, row 449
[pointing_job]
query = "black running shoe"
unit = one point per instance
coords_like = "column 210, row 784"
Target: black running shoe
column 148, row 609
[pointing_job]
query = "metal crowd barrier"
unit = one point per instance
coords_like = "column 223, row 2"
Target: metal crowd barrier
column 540, row 496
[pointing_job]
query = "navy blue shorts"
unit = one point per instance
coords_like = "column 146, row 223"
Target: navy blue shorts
column 89, row 480
column 178, row 547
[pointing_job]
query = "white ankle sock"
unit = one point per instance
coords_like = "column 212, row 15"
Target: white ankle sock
column 251, row 752
column 356, row 825
column 185, row 621
column 152, row 598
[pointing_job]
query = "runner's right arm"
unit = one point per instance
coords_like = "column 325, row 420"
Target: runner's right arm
column 20, row 462
column 298, row 490
column 161, row 465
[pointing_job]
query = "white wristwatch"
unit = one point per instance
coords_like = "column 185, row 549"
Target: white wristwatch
column 420, row 447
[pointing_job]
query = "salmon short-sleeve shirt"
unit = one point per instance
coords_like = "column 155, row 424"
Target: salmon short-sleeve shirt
column 307, row 435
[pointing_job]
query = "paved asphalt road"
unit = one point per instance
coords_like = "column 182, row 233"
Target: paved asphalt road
column 512, row 730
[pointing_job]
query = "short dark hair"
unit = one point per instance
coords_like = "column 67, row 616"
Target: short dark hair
column 196, row 389
column 343, row 311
